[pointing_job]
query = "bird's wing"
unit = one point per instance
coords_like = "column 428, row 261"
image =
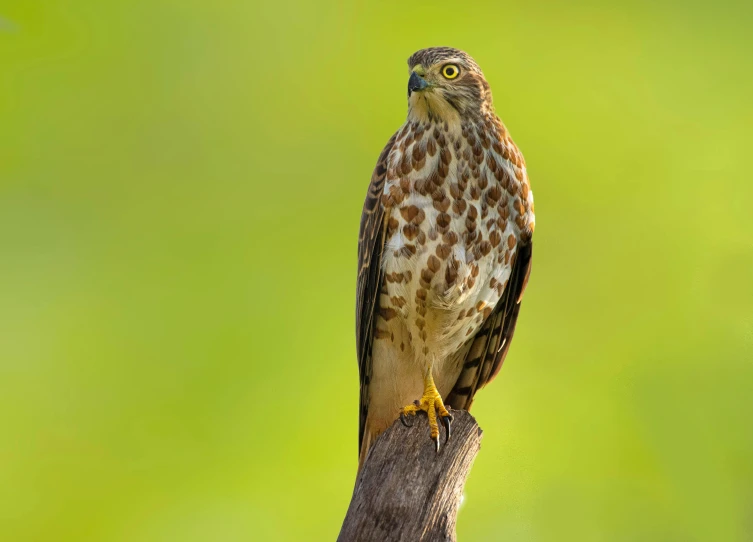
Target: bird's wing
column 370, row 245
column 490, row 345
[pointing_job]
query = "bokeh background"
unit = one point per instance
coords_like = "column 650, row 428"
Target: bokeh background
column 180, row 190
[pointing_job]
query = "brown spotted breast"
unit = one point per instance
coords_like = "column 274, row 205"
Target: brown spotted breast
column 458, row 203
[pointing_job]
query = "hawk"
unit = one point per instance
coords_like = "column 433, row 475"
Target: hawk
column 444, row 251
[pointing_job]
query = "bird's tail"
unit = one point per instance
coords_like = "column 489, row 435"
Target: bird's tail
column 365, row 445
column 369, row 436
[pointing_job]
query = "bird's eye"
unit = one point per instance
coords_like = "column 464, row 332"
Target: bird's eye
column 451, row 71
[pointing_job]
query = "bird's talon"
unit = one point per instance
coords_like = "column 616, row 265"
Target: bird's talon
column 447, row 422
column 404, row 420
column 431, row 403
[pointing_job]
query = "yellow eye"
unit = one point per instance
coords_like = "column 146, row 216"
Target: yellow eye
column 451, row 71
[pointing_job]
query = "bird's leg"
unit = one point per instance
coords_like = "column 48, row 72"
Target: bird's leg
column 432, row 404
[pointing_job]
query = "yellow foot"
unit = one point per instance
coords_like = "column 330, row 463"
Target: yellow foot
column 432, row 404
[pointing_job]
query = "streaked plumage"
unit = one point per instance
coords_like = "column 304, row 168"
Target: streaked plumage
column 444, row 246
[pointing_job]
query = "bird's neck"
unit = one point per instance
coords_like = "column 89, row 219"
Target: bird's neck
column 426, row 109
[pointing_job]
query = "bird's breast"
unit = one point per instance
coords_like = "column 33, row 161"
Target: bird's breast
column 456, row 213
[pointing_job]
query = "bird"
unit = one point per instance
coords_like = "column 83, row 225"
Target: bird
column 444, row 251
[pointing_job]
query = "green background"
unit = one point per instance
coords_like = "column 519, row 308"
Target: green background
column 180, row 190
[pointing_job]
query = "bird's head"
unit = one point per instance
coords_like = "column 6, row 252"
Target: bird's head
column 446, row 84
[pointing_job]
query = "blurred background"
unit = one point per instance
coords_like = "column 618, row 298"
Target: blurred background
column 180, row 190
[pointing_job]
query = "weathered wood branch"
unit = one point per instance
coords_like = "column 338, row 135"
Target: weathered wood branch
column 408, row 492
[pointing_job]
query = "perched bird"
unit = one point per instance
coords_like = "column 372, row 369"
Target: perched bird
column 444, row 250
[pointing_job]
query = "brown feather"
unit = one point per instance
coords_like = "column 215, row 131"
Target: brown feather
column 370, row 245
column 495, row 335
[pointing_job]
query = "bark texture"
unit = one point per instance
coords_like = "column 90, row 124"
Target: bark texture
column 408, row 492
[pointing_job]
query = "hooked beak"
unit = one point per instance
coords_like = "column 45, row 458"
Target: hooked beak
column 416, row 82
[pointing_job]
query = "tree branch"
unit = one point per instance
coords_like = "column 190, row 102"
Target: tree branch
column 408, row 492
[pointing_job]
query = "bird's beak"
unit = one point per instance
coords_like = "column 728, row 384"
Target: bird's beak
column 416, row 82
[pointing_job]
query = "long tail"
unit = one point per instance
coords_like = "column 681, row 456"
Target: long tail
column 368, row 439
column 370, row 434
